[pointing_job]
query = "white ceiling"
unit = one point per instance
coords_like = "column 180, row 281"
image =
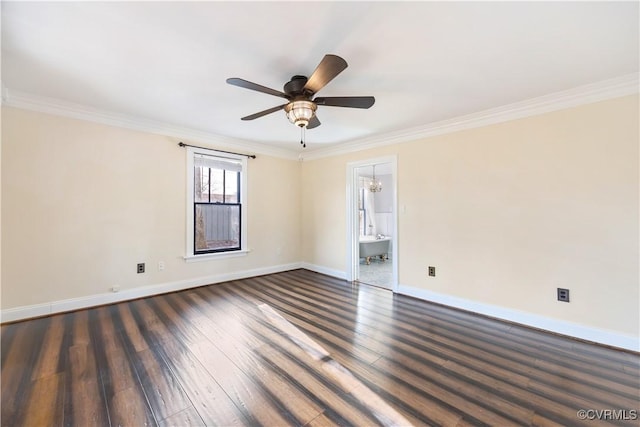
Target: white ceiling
column 424, row 62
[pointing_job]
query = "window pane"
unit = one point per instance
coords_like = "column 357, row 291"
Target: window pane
column 217, row 227
column 231, row 186
column 201, row 184
column 217, row 186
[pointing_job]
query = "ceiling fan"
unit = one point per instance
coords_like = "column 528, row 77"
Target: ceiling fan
column 299, row 92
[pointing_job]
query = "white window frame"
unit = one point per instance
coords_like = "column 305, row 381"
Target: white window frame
column 190, row 255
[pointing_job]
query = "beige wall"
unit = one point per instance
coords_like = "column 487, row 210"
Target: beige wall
column 508, row 213
column 83, row 203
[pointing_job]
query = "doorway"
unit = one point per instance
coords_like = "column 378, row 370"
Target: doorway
column 372, row 235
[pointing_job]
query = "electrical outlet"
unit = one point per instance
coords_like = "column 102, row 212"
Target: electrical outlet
column 141, row 268
column 563, row 294
column 115, row 288
column 160, row 265
column 432, row 271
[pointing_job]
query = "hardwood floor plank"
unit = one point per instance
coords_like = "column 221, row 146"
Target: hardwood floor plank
column 7, row 335
column 309, row 378
column 131, row 330
column 163, row 390
column 126, row 401
column 84, row 398
column 328, row 338
column 465, row 396
column 240, row 350
column 582, row 401
column 45, row 404
column 498, row 340
column 584, row 383
column 187, row 418
column 320, row 421
column 85, row 402
column 242, row 389
column 208, row 398
column 81, row 333
column 506, row 390
column 300, row 348
column 19, row 361
column 299, row 357
column 300, row 370
column 496, row 344
column 372, row 328
column 50, row 354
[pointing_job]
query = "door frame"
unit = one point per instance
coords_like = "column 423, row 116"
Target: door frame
column 353, row 260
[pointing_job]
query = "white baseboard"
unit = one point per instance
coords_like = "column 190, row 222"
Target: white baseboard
column 44, row 309
column 575, row 330
column 324, row 270
column 601, row 336
column 563, row 327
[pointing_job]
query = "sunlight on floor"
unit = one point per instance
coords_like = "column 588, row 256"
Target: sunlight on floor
column 379, row 408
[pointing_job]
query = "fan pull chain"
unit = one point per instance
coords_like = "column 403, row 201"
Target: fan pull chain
column 303, row 136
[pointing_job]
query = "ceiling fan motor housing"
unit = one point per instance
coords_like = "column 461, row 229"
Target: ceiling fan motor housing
column 295, row 86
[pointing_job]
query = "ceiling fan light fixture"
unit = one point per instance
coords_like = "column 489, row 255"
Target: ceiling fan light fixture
column 300, row 112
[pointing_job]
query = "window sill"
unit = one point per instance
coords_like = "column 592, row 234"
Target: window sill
column 219, row 255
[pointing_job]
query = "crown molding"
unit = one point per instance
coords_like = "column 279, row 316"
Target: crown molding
column 586, row 94
column 581, row 95
column 25, row 101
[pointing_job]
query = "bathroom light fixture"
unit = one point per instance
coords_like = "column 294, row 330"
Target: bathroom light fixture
column 375, row 186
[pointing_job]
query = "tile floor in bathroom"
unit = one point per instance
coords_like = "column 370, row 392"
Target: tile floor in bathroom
column 378, row 273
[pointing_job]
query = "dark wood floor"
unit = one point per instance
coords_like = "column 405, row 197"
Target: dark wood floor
column 215, row 356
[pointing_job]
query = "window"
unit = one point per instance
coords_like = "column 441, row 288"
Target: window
column 215, row 212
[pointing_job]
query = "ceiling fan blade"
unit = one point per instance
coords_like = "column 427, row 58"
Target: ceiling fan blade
column 264, row 113
column 254, row 86
column 329, row 67
column 314, row 122
column 346, row 101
